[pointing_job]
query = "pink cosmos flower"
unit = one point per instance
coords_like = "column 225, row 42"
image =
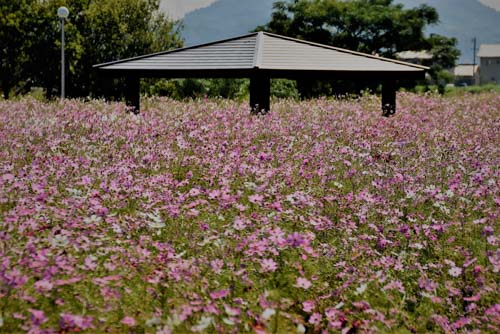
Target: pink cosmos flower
column 232, row 311
column 256, row 199
column 43, row 285
column 455, row 271
column 493, row 311
column 86, row 180
column 395, row 285
column 90, row 263
column 295, row 239
column 303, row 283
column 37, row 317
column 219, row 294
column 315, row 319
column 68, row 320
column 239, row 224
column 308, row 306
column 461, row 323
column 474, row 298
column 268, row 265
column 8, row 177
column 129, row 321
column 217, row 265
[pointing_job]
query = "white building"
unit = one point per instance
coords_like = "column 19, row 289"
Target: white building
column 466, row 74
column 489, row 71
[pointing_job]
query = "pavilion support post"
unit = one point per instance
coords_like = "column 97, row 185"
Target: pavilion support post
column 388, row 98
column 260, row 93
column 132, row 93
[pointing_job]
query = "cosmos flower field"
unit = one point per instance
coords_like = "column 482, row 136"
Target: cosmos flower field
column 321, row 217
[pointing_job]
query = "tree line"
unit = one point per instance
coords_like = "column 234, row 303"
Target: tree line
column 96, row 32
column 105, row 30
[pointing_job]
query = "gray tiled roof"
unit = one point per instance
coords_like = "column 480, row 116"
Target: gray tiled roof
column 489, row 51
column 464, row 70
column 262, row 51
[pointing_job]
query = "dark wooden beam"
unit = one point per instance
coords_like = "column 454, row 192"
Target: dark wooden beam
column 132, row 93
column 388, row 98
column 276, row 74
column 260, row 93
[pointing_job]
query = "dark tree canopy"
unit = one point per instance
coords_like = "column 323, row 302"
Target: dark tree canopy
column 381, row 27
column 96, row 31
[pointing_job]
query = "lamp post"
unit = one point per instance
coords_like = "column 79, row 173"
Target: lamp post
column 63, row 13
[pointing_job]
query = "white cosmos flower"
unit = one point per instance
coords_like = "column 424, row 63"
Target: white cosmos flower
column 154, row 220
column 202, row 324
column 268, row 313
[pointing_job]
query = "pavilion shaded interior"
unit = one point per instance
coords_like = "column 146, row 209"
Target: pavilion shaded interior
column 261, row 56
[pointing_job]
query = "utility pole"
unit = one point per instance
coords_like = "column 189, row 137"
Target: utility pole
column 474, row 41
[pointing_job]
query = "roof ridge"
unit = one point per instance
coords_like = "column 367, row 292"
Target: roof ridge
column 259, row 44
column 174, row 50
column 347, row 51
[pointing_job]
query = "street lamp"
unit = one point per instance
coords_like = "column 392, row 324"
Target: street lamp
column 63, row 14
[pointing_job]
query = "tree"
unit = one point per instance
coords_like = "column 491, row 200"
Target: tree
column 379, row 27
column 444, row 56
column 113, row 32
column 12, row 55
column 43, row 47
column 97, row 31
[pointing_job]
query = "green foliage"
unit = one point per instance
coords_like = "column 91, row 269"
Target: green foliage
column 458, row 91
column 371, row 26
column 12, row 25
column 96, row 32
column 283, row 88
column 180, row 89
column 235, row 89
column 380, row 27
column 444, row 56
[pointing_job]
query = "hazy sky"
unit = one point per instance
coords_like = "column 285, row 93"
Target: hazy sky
column 178, row 8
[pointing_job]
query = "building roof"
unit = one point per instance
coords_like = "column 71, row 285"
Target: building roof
column 422, row 55
column 261, row 51
column 465, row 70
column 489, row 51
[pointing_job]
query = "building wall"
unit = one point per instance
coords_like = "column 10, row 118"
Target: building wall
column 464, row 80
column 490, row 70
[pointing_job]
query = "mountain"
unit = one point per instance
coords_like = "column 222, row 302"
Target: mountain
column 176, row 9
column 225, row 19
column 463, row 19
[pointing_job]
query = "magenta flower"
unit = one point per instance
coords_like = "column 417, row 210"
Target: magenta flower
column 295, row 239
column 129, row 321
column 308, row 306
column 455, row 271
column 38, row 317
column 256, row 199
column 315, row 319
column 219, row 294
column 44, row 285
column 268, row 265
column 68, row 321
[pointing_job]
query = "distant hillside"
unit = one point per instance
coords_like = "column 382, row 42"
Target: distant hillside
column 462, row 19
column 224, row 19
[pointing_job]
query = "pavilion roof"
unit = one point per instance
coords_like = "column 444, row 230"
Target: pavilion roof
column 260, row 51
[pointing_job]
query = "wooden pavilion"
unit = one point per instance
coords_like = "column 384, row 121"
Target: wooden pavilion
column 261, row 56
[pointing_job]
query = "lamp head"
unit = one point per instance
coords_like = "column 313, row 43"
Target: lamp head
column 63, row 12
